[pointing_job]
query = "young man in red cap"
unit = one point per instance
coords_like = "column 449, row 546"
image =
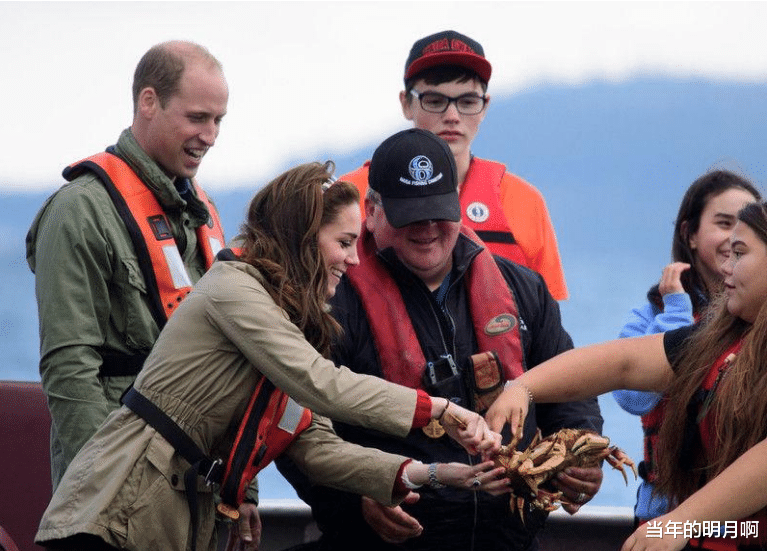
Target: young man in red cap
column 446, row 78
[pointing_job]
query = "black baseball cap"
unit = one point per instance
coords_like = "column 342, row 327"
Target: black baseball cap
column 415, row 174
column 447, row 48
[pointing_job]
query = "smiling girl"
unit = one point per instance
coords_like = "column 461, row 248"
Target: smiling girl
column 703, row 227
column 712, row 448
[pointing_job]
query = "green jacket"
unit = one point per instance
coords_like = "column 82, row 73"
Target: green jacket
column 127, row 483
column 91, row 295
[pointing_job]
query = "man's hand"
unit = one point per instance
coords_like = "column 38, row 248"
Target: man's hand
column 246, row 532
column 392, row 524
column 578, row 485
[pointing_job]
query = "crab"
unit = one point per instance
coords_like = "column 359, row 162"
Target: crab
column 543, row 459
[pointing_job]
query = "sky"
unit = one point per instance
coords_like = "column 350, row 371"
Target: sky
column 309, row 80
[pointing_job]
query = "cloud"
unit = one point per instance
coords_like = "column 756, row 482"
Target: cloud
column 320, row 78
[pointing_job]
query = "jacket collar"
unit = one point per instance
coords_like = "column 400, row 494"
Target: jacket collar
column 154, row 178
column 465, row 250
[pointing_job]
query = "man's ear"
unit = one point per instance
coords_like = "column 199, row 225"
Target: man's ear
column 148, row 102
column 406, row 105
column 368, row 211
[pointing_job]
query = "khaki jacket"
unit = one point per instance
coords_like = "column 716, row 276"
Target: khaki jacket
column 126, row 484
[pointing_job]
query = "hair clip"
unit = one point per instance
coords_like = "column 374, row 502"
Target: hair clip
column 328, row 183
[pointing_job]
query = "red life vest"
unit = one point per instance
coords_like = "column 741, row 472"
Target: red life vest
column 651, row 423
column 492, row 306
column 717, row 370
column 707, row 434
column 162, row 266
column 271, row 423
column 482, row 212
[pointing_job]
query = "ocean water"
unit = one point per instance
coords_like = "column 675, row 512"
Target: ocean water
column 612, row 161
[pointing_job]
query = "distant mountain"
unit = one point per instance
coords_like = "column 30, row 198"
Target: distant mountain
column 612, row 161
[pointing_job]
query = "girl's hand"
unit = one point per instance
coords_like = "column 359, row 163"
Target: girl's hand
column 510, row 407
column 640, row 540
column 671, row 278
column 469, row 429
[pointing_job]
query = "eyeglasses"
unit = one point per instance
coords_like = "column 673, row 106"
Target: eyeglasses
column 467, row 104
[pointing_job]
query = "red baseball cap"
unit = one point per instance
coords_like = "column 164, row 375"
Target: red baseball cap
column 447, row 48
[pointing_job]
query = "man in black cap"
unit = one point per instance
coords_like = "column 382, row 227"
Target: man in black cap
column 445, row 81
column 429, row 307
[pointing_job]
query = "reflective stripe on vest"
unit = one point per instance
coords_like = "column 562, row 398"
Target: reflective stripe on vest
column 162, row 266
column 482, row 211
column 492, row 307
column 272, row 421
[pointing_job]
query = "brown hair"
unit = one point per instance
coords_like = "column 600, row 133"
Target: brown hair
column 280, row 239
column 739, row 406
column 162, row 66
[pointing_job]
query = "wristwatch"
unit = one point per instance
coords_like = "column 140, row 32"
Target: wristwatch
column 432, row 476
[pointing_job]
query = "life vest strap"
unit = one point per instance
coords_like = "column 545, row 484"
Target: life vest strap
column 200, row 463
column 114, row 364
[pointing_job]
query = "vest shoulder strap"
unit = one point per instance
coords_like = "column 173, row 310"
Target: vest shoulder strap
column 161, row 264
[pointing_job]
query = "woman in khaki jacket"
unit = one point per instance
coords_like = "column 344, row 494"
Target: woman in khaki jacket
column 262, row 314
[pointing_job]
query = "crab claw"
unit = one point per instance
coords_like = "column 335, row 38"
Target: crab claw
column 617, row 458
column 517, row 504
column 588, row 442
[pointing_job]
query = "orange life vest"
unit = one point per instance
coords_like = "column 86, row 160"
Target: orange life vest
column 482, row 212
column 163, row 269
column 271, row 422
column 492, row 306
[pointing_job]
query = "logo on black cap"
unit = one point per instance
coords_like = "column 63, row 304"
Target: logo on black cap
column 421, row 171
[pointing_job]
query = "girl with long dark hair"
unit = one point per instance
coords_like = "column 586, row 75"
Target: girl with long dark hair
column 712, row 449
column 701, row 233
